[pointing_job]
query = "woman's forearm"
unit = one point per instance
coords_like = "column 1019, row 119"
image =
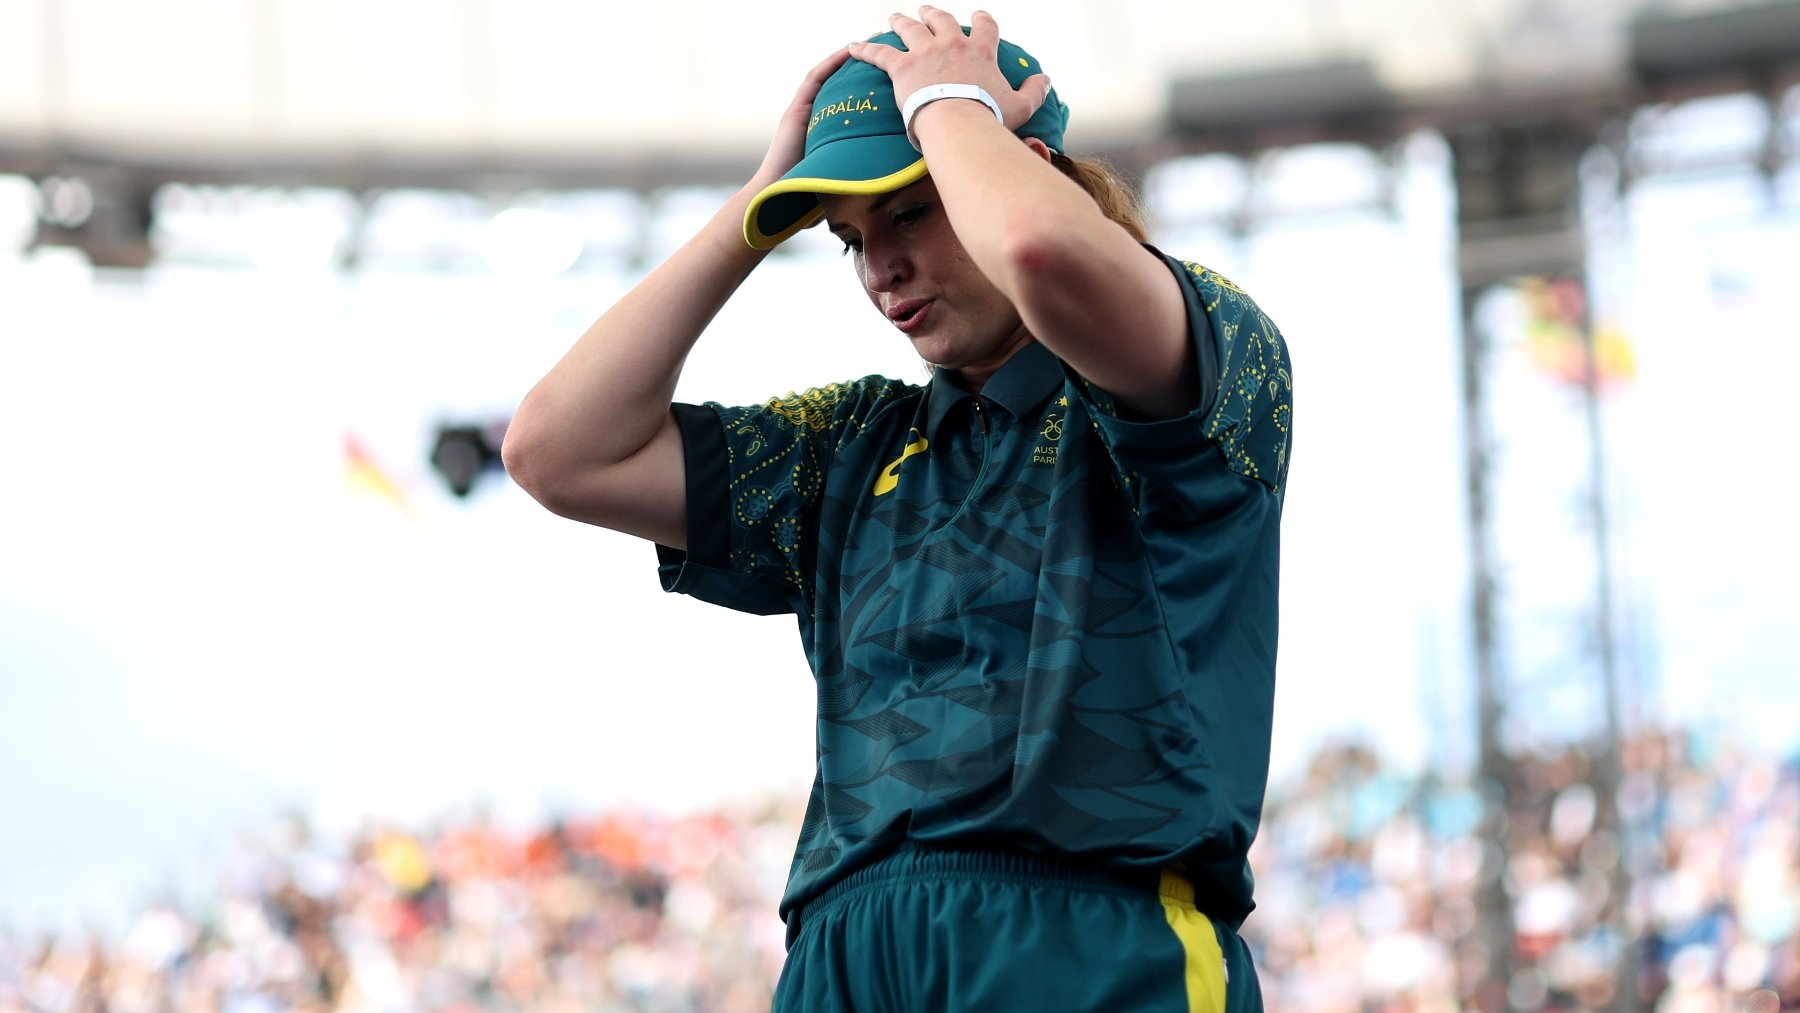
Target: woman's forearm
column 610, row 394
column 1082, row 284
column 594, row 440
column 1008, row 204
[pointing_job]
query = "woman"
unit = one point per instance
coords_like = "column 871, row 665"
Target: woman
column 1037, row 592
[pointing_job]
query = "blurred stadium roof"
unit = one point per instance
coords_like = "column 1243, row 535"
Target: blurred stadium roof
column 556, row 92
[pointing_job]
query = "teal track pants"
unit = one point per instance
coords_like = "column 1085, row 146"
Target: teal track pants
column 939, row 931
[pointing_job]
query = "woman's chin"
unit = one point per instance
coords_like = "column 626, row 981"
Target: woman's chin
column 944, row 352
column 941, row 354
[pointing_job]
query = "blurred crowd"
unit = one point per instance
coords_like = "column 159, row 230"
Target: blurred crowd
column 624, row 911
column 1683, row 897
column 1371, row 886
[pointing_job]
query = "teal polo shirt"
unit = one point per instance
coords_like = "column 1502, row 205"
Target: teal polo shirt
column 1034, row 621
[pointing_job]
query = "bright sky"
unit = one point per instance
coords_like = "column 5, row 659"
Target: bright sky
column 202, row 624
column 372, row 75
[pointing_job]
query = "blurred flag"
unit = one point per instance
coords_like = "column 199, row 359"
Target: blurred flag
column 365, row 478
column 1555, row 313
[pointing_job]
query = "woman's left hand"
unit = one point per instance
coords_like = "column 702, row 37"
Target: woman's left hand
column 937, row 52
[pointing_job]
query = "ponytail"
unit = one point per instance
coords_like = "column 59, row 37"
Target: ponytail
column 1116, row 199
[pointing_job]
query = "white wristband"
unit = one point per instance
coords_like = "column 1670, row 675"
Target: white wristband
column 932, row 92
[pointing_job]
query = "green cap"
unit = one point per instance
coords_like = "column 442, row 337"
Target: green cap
column 856, row 143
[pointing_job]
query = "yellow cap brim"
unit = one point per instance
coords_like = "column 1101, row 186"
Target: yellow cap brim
column 791, row 203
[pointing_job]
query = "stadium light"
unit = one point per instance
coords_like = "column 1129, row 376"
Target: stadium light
column 1336, row 100
column 463, row 453
column 1739, row 42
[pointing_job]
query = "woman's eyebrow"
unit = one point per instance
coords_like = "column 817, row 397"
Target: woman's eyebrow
column 880, row 202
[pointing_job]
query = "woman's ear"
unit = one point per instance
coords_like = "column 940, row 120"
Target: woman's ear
column 1038, row 148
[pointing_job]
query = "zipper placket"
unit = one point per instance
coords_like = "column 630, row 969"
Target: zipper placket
column 987, row 450
column 981, row 424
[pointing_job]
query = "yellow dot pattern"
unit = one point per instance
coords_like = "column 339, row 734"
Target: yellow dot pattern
column 1253, row 413
column 778, row 455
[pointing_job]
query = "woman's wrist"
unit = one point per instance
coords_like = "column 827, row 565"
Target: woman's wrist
column 726, row 226
column 923, row 97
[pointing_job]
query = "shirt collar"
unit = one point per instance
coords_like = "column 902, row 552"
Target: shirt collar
column 1020, row 385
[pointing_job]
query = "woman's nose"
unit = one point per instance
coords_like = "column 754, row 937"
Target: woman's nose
column 882, row 269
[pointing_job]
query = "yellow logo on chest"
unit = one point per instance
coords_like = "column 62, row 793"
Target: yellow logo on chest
column 1045, row 453
column 890, row 475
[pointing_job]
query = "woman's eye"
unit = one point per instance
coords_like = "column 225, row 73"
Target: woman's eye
column 908, row 215
column 851, row 246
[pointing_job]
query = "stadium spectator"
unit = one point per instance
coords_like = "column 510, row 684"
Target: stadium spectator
column 1367, row 878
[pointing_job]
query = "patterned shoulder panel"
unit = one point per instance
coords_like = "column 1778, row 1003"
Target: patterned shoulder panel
column 1253, row 415
column 779, row 454
column 831, row 414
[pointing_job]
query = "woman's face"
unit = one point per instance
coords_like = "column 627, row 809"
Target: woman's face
column 918, row 275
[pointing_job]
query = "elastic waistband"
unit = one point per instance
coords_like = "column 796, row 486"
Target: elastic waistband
column 912, row 862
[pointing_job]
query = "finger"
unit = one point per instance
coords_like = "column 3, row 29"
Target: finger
column 985, row 30
column 1036, row 88
column 939, row 22
column 827, row 67
column 879, row 54
column 911, row 32
column 816, row 77
column 1027, row 99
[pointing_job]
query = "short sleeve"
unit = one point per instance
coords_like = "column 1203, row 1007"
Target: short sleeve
column 755, row 478
column 1246, row 403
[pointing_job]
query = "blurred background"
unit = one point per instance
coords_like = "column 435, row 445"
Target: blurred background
column 303, row 705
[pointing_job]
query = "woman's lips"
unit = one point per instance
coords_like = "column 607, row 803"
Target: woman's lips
column 911, row 315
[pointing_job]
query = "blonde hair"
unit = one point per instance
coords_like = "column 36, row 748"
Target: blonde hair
column 1117, row 200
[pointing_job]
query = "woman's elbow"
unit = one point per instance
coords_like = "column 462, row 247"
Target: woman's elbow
column 530, row 457
column 554, row 487
column 522, row 456
column 1038, row 264
column 1045, row 248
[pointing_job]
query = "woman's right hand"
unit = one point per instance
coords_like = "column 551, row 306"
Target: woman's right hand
column 789, row 143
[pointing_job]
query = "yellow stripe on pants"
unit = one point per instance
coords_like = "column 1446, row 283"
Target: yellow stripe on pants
column 1205, row 961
